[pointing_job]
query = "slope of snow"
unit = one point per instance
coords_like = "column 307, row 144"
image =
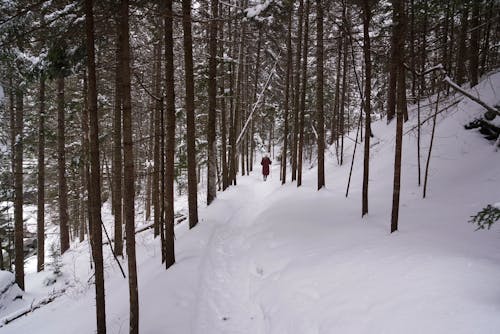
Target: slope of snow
column 267, row 258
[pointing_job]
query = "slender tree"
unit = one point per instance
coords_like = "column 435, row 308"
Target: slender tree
column 41, row 179
column 303, row 94
column 398, row 7
column 296, row 104
column 95, row 184
column 18, row 189
column 287, row 93
column 367, row 95
column 170, row 140
column 117, row 150
column 320, row 123
column 212, row 112
column 129, row 174
column 190, row 124
column 61, row 165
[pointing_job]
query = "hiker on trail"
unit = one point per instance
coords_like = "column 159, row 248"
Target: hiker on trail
column 265, row 165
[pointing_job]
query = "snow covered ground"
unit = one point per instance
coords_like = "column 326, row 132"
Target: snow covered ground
column 275, row 259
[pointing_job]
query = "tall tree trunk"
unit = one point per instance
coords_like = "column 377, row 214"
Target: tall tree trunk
column 18, row 190
column 117, row 150
column 190, row 124
column 462, row 44
column 393, row 71
column 170, row 140
column 212, row 102
column 287, row 94
column 367, row 96
column 41, row 180
column 474, row 43
column 156, row 150
column 223, row 122
column 345, row 68
column 61, row 167
column 398, row 6
column 303, row 95
column 129, row 174
column 94, row 194
column 320, row 123
column 296, row 104
column 336, row 117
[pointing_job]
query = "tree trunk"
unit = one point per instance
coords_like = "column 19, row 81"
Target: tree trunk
column 95, row 190
column 303, row 95
column 367, row 96
column 170, row 140
column 18, row 190
column 212, row 103
column 156, row 150
column 296, row 104
column 190, row 123
column 61, row 167
column 320, row 123
column 462, row 44
column 117, row 150
column 474, row 44
column 41, row 180
column 398, row 6
column 287, row 93
column 129, row 174
column 223, row 122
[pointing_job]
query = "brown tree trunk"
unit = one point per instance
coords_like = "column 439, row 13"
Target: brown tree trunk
column 117, row 150
column 398, row 6
column 303, row 95
column 170, row 140
column 287, row 94
column 41, row 180
column 94, row 189
column 223, row 128
column 18, row 190
column 190, row 123
column 296, row 104
column 156, row 150
column 462, row 44
column 212, row 103
column 367, row 96
column 320, row 123
column 474, row 43
column 61, row 167
column 129, row 174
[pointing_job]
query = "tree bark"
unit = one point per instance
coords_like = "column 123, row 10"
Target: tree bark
column 61, row 167
column 320, row 123
column 287, row 94
column 170, row 140
column 94, row 193
column 212, row 103
column 18, row 190
column 302, row 111
column 117, row 151
column 129, row 173
column 296, row 104
column 474, row 43
column 41, row 179
column 190, row 123
column 398, row 6
column 367, row 96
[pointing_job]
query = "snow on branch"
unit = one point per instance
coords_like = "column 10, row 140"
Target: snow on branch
column 273, row 71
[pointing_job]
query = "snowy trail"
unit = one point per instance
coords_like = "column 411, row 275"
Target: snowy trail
column 225, row 295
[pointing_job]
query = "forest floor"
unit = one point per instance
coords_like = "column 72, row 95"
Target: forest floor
column 267, row 258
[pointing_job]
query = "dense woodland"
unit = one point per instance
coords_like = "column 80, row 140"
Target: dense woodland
column 139, row 102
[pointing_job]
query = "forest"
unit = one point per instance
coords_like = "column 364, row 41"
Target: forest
column 123, row 118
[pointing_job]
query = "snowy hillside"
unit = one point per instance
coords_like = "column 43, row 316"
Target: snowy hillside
column 278, row 259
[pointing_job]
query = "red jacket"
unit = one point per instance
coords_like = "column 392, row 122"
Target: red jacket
column 265, row 165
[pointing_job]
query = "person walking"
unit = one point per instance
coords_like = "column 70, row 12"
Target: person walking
column 265, row 165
